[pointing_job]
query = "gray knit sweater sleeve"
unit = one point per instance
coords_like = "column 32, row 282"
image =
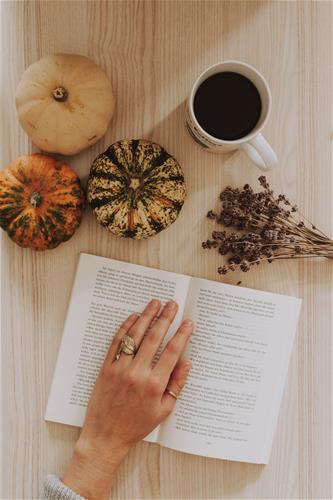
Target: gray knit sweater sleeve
column 54, row 489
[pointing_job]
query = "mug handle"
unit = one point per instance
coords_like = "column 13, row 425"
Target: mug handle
column 260, row 152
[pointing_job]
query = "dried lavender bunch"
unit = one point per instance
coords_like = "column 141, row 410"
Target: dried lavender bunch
column 268, row 228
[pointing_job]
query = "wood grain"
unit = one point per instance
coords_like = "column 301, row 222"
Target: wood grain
column 153, row 50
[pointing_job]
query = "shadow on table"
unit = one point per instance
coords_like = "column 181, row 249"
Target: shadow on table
column 206, row 174
column 171, row 132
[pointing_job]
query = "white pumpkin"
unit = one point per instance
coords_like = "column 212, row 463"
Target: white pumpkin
column 64, row 103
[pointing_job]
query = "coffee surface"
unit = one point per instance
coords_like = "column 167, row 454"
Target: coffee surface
column 227, row 105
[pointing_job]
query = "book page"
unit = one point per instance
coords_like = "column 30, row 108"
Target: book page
column 104, row 294
column 240, row 351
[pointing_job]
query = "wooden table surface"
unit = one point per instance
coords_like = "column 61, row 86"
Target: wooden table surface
column 152, row 51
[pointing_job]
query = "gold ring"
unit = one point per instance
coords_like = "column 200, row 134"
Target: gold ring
column 127, row 346
column 173, row 394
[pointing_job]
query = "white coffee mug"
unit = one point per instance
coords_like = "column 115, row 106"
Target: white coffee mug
column 253, row 144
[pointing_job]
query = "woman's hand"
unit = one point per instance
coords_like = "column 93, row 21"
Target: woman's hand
column 129, row 398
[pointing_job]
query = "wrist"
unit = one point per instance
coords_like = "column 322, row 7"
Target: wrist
column 92, row 468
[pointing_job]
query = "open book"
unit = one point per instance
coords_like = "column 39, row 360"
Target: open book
column 239, row 351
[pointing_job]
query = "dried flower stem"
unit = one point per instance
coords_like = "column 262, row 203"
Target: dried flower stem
column 268, row 228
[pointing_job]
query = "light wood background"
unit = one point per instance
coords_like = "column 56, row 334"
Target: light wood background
column 152, row 51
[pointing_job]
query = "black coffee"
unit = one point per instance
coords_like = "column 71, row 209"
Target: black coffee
column 227, row 105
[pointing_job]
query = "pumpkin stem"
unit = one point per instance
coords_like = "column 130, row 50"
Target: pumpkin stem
column 135, row 183
column 60, row 94
column 35, row 200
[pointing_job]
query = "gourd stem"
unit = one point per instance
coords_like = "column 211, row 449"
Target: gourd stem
column 35, row 200
column 135, row 183
column 60, row 94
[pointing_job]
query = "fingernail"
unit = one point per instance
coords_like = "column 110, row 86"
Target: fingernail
column 154, row 302
column 187, row 323
column 134, row 315
column 171, row 305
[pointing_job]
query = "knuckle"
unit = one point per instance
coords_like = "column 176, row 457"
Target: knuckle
column 177, row 387
column 130, row 379
column 185, row 332
column 172, row 347
column 170, row 311
column 153, row 387
column 150, row 338
column 126, row 323
column 133, row 330
column 146, row 315
column 166, row 314
column 139, row 326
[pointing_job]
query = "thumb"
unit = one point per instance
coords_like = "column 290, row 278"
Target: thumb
column 175, row 385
